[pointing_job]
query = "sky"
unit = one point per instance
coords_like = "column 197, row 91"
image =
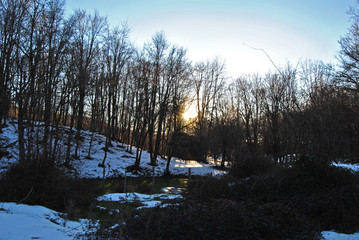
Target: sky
column 288, row 30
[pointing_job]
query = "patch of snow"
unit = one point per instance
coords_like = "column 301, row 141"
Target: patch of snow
column 115, row 226
column 21, row 221
column 101, row 208
column 148, row 200
column 112, row 197
column 115, row 197
column 150, row 204
column 353, row 167
column 331, row 235
column 187, row 164
column 114, row 211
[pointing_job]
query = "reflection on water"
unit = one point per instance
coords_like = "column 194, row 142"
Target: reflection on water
column 173, row 190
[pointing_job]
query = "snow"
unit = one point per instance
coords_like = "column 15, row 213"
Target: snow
column 331, row 235
column 21, row 221
column 117, row 159
column 187, row 164
column 148, row 200
column 353, row 167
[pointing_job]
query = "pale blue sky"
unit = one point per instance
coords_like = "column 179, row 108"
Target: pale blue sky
column 285, row 29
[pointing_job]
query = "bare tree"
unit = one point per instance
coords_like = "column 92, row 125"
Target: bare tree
column 349, row 54
column 12, row 15
column 58, row 32
column 174, row 76
column 117, row 51
column 156, row 52
column 209, row 79
column 248, row 96
column 85, row 44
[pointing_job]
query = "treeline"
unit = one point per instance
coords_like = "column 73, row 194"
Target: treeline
column 78, row 71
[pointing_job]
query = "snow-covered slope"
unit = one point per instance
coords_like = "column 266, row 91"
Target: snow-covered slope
column 117, row 159
column 21, row 221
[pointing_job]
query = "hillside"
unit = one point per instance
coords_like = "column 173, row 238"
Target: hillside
column 117, row 159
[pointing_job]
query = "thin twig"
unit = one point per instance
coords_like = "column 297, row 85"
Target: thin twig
column 270, row 59
column 26, row 195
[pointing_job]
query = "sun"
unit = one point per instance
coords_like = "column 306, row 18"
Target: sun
column 189, row 113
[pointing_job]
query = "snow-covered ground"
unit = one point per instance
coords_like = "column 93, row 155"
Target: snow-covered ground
column 331, row 235
column 21, row 221
column 118, row 158
column 147, row 200
column 352, row 167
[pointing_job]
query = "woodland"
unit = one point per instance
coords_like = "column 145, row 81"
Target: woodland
column 277, row 133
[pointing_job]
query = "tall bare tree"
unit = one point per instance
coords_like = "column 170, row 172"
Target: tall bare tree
column 86, row 43
column 209, row 80
column 12, row 14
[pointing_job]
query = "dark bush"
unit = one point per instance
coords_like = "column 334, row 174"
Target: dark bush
column 287, row 183
column 207, row 188
column 249, row 165
column 332, row 209
column 325, row 194
column 220, row 219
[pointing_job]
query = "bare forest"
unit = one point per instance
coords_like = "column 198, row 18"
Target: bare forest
column 80, row 72
column 77, row 71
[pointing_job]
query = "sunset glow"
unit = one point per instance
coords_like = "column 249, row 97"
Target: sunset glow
column 190, row 113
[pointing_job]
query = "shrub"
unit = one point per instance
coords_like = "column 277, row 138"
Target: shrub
column 220, row 219
column 206, row 188
column 250, row 165
column 325, row 194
